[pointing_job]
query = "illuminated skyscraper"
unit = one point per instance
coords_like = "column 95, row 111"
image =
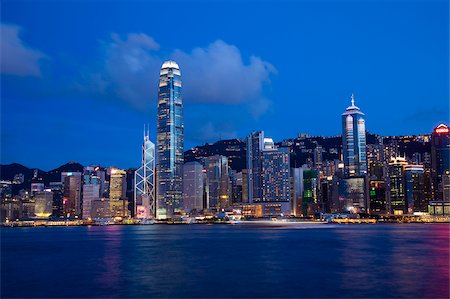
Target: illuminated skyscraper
column 170, row 142
column 255, row 143
column 117, row 193
column 354, row 141
column 414, row 183
column 268, row 175
column 43, row 203
column 91, row 189
column 440, row 159
column 218, row 180
column 397, row 197
column 72, row 193
column 144, row 181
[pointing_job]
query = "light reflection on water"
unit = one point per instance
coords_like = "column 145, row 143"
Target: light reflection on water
column 378, row 261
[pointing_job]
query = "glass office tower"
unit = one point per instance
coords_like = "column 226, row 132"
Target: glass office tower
column 144, row 181
column 354, row 141
column 170, row 142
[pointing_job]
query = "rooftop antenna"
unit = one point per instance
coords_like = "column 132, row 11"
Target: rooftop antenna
column 353, row 99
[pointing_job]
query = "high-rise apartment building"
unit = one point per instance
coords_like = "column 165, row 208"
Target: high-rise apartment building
column 268, row 175
column 170, row 142
column 354, row 141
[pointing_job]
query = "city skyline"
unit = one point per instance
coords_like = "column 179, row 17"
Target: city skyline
column 61, row 99
column 225, row 149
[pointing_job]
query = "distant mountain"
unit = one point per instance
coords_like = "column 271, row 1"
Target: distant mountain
column 8, row 171
column 55, row 174
column 234, row 149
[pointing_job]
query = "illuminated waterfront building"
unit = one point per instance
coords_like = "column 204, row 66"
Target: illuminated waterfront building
column 268, row 175
column 377, row 197
column 43, row 206
column 296, row 191
column 310, row 190
column 255, row 143
column 57, row 190
column 352, row 195
column 440, row 159
column 354, row 141
column 144, row 181
column 194, row 178
column 414, row 189
column 71, row 193
column 218, row 181
column 117, row 193
column 91, row 189
column 170, row 142
column 397, row 197
column 275, row 174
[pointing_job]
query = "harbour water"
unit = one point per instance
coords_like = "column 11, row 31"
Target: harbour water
column 226, row 261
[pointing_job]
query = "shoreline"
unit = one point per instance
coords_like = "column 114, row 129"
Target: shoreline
column 238, row 223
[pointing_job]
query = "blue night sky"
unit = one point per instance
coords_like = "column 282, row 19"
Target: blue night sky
column 79, row 78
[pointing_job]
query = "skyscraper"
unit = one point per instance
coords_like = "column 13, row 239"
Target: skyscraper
column 72, row 193
column 440, row 159
column 268, row 175
column 414, row 183
column 144, row 181
column 91, row 189
column 117, row 193
column 255, row 142
column 170, row 142
column 193, row 186
column 218, row 180
column 397, row 197
column 354, row 141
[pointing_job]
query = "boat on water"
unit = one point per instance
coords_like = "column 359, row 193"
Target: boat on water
column 147, row 222
column 274, row 223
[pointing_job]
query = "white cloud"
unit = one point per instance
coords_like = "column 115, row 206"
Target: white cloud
column 218, row 74
column 16, row 58
column 214, row 74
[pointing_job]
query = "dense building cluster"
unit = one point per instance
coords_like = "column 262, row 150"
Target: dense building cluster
column 356, row 173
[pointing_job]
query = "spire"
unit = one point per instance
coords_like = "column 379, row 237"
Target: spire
column 353, row 99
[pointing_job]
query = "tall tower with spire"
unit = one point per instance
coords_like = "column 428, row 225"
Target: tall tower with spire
column 170, row 142
column 144, row 181
column 354, row 141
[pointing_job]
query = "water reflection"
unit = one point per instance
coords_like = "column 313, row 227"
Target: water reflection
column 364, row 261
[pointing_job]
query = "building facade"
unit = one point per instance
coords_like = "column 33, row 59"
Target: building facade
column 440, row 159
column 218, row 181
column 354, row 141
column 144, row 182
column 170, row 142
column 193, row 186
column 72, row 193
